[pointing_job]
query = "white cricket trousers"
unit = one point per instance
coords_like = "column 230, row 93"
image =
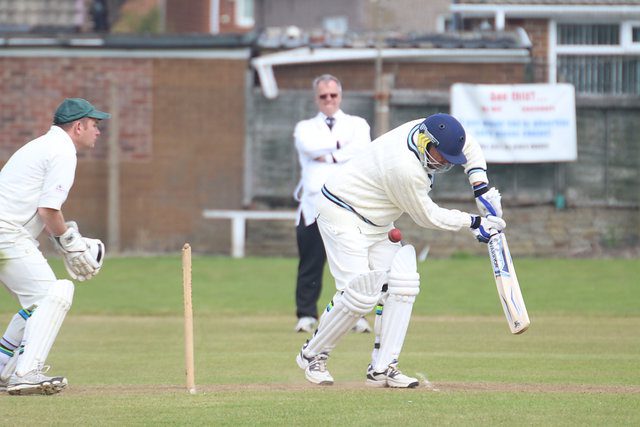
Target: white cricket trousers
column 24, row 271
column 353, row 248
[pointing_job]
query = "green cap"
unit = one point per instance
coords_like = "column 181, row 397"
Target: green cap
column 77, row 108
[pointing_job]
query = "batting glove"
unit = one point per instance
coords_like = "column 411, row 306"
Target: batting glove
column 488, row 200
column 485, row 227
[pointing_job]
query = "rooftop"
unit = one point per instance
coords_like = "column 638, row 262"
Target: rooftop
column 271, row 40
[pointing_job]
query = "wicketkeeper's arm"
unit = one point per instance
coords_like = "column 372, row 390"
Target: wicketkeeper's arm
column 53, row 221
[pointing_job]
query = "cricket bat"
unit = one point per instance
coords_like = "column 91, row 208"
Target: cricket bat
column 507, row 283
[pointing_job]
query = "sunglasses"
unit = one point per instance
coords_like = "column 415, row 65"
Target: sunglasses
column 327, row 95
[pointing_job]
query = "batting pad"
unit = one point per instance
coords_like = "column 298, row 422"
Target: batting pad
column 404, row 285
column 358, row 299
column 42, row 328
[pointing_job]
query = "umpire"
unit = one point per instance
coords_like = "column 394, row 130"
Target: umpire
column 324, row 143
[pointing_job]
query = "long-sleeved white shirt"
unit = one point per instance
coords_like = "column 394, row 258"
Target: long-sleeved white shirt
column 387, row 180
column 335, row 146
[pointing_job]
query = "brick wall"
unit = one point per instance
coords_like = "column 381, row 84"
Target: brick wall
column 408, row 75
column 181, row 136
column 32, row 88
column 196, row 18
column 538, row 32
column 192, row 19
column 228, row 20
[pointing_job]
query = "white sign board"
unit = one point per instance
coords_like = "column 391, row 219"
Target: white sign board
column 519, row 123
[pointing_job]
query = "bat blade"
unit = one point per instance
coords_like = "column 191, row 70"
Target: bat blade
column 507, row 284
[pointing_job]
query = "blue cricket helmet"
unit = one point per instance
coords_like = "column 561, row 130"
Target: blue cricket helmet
column 447, row 134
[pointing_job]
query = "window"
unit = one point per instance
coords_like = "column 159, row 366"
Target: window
column 244, row 13
column 604, row 75
column 585, row 34
column 336, row 24
column 599, row 59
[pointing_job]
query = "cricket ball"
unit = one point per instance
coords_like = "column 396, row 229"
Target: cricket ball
column 395, row 235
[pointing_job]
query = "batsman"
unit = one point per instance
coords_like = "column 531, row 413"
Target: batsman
column 34, row 183
column 392, row 176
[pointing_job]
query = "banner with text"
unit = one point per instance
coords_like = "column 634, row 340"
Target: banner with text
column 519, row 123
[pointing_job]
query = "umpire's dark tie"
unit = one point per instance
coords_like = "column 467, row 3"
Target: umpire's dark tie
column 330, row 121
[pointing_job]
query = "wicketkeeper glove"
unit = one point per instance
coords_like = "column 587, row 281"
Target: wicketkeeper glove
column 485, row 227
column 83, row 257
column 488, row 200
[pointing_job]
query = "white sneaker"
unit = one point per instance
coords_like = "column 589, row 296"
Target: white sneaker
column 361, row 327
column 305, row 324
column 3, row 385
column 315, row 368
column 35, row 382
column 392, row 377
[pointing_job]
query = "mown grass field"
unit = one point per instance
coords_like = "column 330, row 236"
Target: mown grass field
column 122, row 350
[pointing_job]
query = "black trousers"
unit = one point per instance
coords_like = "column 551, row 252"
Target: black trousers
column 310, row 269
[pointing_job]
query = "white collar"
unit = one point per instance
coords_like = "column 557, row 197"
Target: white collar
column 58, row 132
column 336, row 116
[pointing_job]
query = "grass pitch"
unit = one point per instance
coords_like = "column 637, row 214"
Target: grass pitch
column 122, row 349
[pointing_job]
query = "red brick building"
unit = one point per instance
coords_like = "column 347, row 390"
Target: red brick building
column 179, row 117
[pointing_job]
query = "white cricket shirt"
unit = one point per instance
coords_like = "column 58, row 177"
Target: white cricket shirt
column 39, row 174
column 388, row 180
column 337, row 145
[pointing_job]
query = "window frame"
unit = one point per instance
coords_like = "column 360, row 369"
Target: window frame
column 625, row 48
column 626, row 36
column 241, row 18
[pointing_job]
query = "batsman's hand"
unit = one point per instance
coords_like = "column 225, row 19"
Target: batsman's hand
column 485, row 227
column 82, row 257
column 489, row 201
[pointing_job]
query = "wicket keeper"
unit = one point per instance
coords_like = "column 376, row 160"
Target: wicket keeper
column 34, row 184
